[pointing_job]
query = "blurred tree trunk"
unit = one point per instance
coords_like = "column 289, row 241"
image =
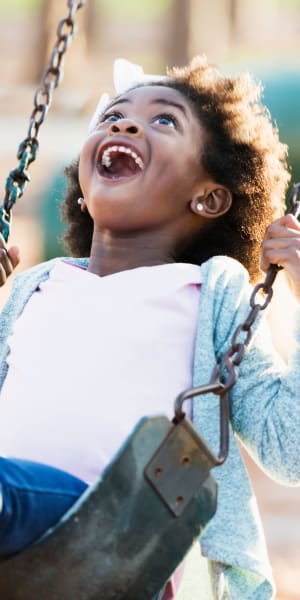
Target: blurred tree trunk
column 209, row 27
column 52, row 12
column 201, row 26
column 233, row 19
column 178, row 27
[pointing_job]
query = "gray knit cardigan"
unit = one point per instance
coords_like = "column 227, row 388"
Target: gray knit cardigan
column 265, row 416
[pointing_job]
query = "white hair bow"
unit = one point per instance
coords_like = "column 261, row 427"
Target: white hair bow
column 125, row 76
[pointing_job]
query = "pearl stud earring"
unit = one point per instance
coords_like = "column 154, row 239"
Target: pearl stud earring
column 80, row 201
column 199, row 206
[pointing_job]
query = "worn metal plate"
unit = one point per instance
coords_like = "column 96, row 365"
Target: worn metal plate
column 180, row 466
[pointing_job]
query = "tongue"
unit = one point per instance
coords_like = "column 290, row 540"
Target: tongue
column 122, row 165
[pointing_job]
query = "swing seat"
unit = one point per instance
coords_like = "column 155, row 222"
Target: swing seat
column 123, row 538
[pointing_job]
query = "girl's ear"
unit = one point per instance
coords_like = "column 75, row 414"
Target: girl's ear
column 213, row 203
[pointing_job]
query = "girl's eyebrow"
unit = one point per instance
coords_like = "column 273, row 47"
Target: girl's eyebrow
column 116, row 101
column 155, row 101
column 170, row 103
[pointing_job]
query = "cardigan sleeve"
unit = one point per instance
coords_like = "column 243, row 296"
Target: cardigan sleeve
column 265, row 404
column 265, row 400
column 6, row 323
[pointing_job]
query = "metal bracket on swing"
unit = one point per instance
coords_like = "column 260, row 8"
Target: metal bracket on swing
column 183, row 461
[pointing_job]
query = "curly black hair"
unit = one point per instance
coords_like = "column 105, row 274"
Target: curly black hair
column 243, row 153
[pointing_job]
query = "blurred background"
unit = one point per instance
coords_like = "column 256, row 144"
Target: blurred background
column 260, row 36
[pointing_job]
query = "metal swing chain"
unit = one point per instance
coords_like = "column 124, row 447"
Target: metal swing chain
column 27, row 151
column 221, row 384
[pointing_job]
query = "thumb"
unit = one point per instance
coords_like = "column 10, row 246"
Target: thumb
column 14, row 255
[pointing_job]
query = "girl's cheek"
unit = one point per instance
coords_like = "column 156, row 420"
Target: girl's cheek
column 83, row 162
column 80, row 168
column 82, row 171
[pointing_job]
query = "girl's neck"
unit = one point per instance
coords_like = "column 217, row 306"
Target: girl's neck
column 113, row 253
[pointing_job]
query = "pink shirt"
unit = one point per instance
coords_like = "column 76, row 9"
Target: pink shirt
column 90, row 356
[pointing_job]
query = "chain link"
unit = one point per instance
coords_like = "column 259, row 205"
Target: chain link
column 28, row 148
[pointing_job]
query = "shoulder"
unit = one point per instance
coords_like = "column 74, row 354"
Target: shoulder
column 40, row 272
column 26, row 283
column 225, row 283
column 224, row 270
column 224, row 297
column 34, row 272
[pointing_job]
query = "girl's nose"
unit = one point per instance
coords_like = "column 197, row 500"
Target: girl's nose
column 125, row 126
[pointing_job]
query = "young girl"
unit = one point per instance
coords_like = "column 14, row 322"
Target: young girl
column 177, row 178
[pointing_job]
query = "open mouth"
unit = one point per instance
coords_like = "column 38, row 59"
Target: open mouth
column 119, row 162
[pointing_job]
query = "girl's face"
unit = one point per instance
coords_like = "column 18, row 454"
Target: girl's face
column 141, row 166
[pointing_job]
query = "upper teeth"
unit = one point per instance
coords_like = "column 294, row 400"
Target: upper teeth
column 106, row 156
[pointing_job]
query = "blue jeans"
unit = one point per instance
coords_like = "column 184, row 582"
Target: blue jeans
column 35, row 496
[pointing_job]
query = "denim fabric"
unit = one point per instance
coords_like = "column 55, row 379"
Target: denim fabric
column 34, row 497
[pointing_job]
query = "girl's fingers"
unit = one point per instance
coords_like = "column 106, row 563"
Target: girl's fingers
column 282, row 242
column 14, row 255
column 9, row 259
column 286, row 226
column 3, row 275
column 281, row 246
column 283, row 257
column 282, row 251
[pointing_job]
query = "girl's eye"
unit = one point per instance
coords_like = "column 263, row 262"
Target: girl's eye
column 111, row 118
column 167, row 120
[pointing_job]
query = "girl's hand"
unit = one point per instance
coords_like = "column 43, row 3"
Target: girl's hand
column 9, row 259
column 281, row 246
